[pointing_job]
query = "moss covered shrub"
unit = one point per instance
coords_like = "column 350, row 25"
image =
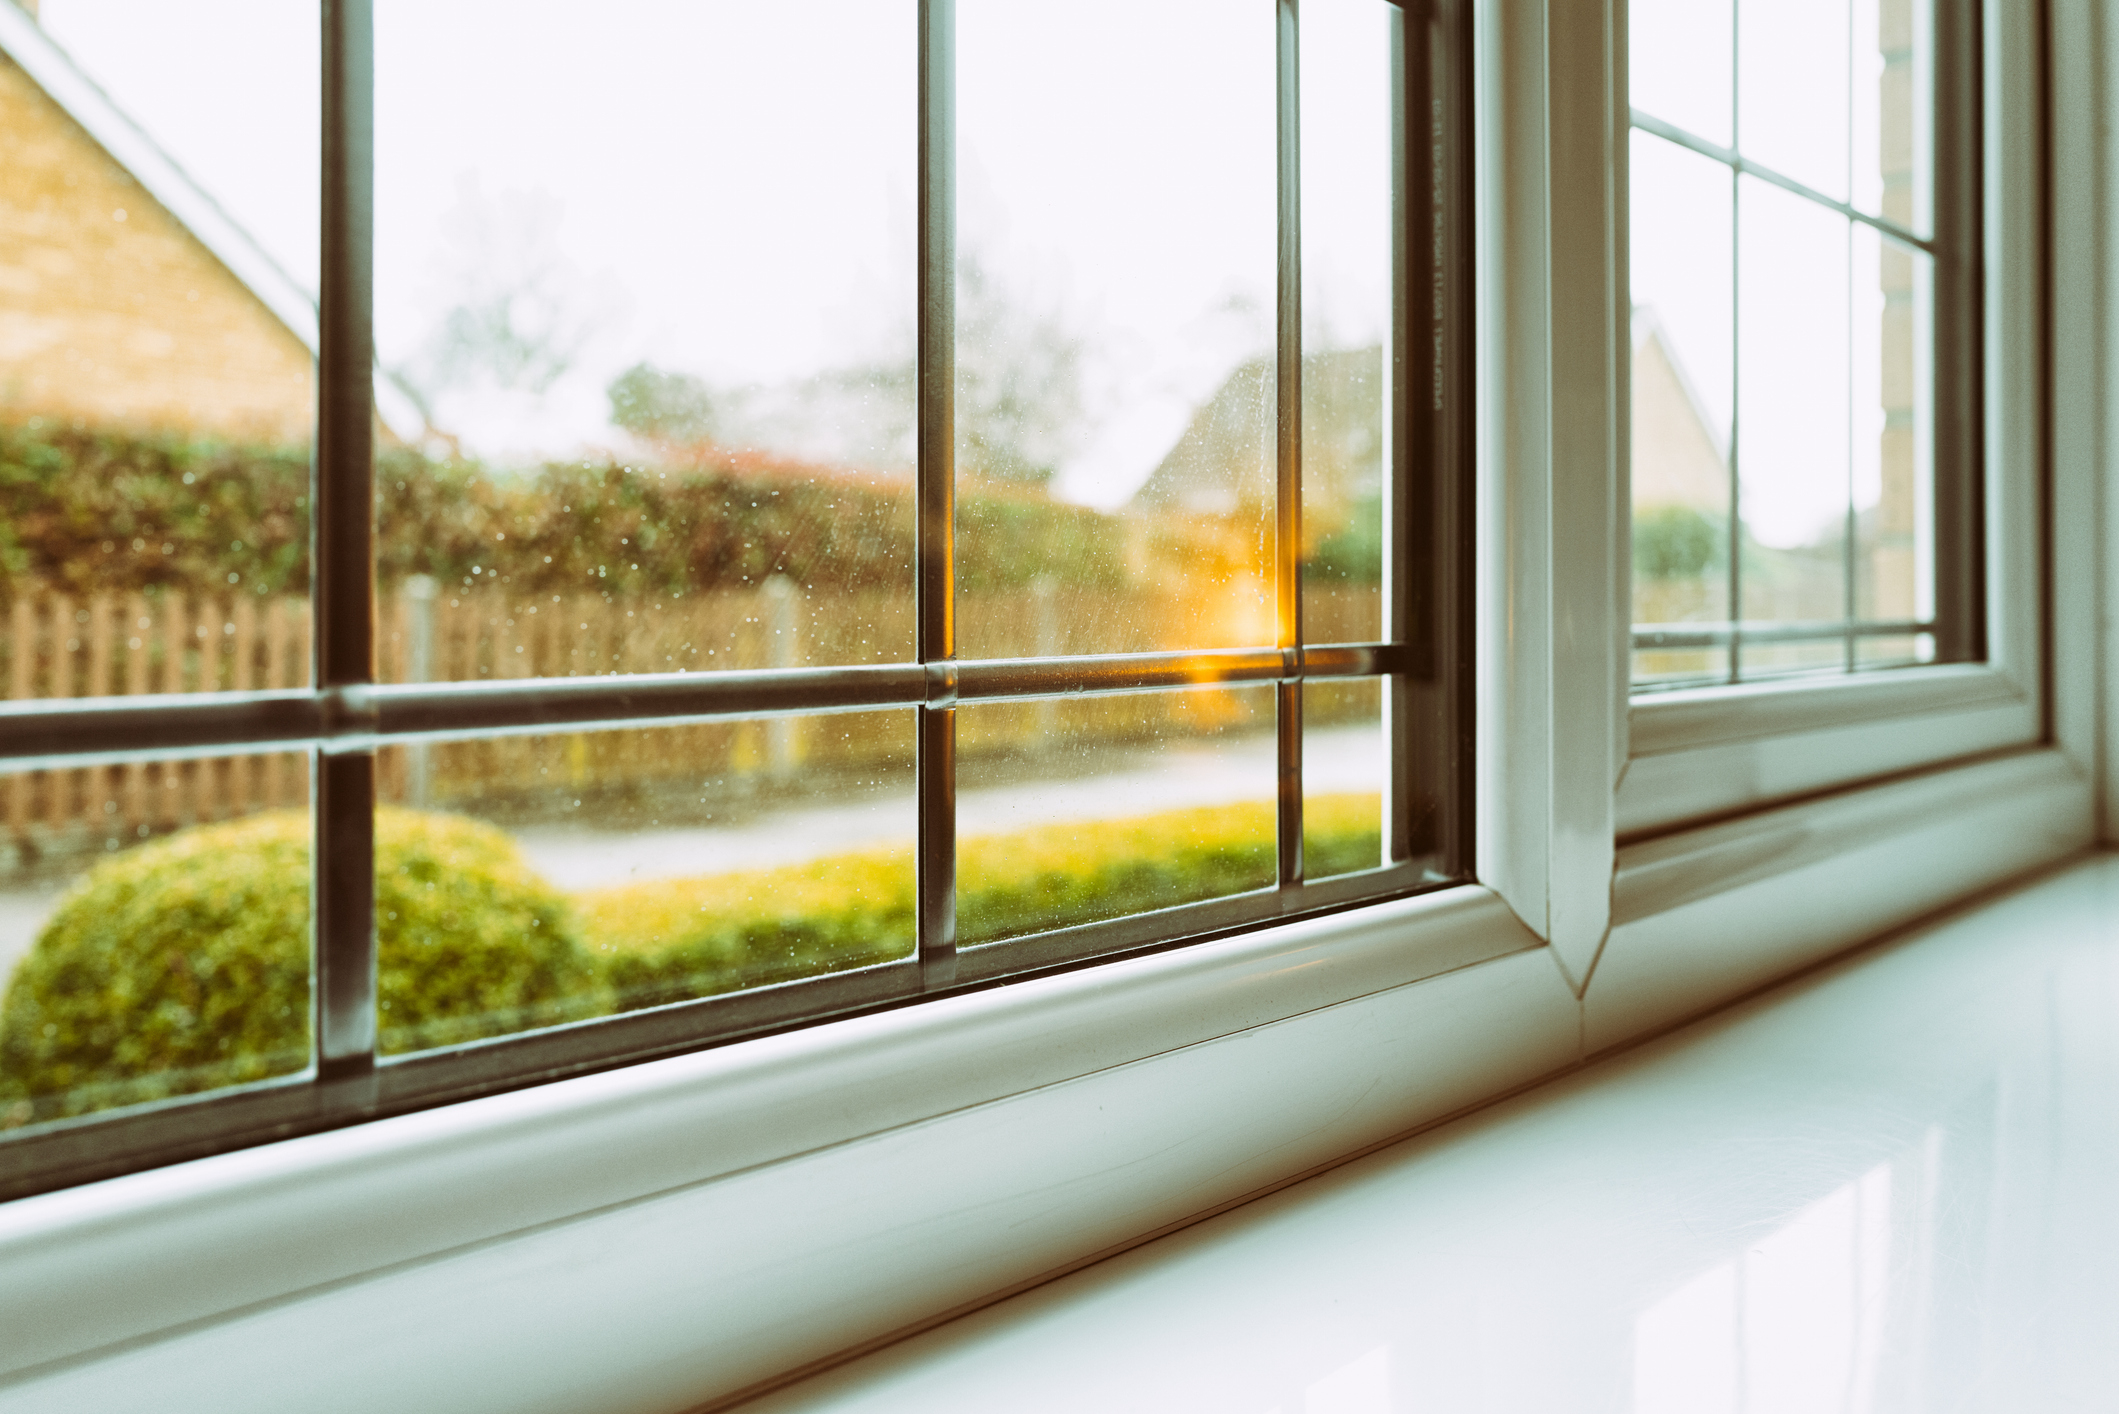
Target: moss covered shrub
column 184, row 965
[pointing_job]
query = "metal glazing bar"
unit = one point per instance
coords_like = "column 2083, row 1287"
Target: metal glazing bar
column 342, row 564
column 531, row 704
column 1734, row 549
column 1287, row 441
column 1649, row 123
column 1406, row 359
column 86, row 731
column 1710, row 635
column 158, row 725
column 935, row 537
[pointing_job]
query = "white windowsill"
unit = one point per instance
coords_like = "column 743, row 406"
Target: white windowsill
column 1709, row 752
column 686, row 1230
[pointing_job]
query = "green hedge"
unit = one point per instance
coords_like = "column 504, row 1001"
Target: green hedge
column 184, row 965
column 669, row 939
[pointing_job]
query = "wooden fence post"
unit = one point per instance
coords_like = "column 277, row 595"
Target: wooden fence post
column 418, row 598
column 783, row 649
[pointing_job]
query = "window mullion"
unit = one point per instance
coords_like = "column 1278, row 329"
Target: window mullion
column 935, row 533
column 342, row 596
column 1287, row 526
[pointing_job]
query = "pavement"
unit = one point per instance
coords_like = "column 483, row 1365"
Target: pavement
column 1172, row 777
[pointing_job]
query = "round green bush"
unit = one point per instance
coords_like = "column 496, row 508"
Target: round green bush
column 184, row 965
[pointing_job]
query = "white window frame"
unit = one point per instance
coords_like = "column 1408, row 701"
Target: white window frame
column 682, row 1232
column 1702, row 753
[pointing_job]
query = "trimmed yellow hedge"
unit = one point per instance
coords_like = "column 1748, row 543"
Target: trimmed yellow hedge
column 669, row 939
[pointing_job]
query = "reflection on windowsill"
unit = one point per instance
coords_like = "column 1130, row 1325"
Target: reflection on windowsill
column 1885, row 1190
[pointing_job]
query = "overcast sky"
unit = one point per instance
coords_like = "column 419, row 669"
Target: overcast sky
column 1809, row 349
column 727, row 189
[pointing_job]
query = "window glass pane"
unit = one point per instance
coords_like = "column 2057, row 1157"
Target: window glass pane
column 154, row 931
column 526, row 881
column 1893, row 88
column 157, row 389
column 1090, row 808
column 1116, row 270
column 1345, row 757
column 1346, row 312
column 1792, row 90
column 1683, row 388
column 1793, row 397
column 1894, row 465
column 649, row 277
column 1681, row 63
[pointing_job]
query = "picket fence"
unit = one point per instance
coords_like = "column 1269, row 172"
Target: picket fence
column 121, row 645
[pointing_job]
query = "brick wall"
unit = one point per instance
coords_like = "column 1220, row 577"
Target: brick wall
column 111, row 313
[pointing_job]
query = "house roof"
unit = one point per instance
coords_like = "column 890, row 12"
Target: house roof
column 49, row 66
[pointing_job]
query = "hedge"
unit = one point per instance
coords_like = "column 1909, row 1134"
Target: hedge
column 184, row 965
column 668, row 939
column 91, row 511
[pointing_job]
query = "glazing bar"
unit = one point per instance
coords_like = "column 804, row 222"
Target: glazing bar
column 1287, row 441
column 935, row 543
column 519, row 704
column 158, row 725
column 1714, row 635
column 75, row 731
column 342, row 564
column 1670, row 132
column 84, row 732
column 1115, row 672
column 1407, row 357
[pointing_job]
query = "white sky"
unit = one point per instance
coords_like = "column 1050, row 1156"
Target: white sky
column 727, row 189
column 1810, row 313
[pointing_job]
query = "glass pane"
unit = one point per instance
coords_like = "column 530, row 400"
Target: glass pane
column 1894, row 471
column 1793, row 397
column 662, row 372
column 1893, row 91
column 157, row 388
column 1894, row 650
column 1346, row 310
column 154, row 931
column 1792, row 90
column 160, row 640
column 1345, row 757
column 1116, row 270
column 1681, row 63
column 1683, row 369
column 527, row 881
column 1091, row 808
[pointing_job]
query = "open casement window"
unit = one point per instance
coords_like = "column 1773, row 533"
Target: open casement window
column 711, row 557
column 1835, row 463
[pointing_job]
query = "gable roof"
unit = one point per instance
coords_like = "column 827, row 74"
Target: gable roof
column 24, row 41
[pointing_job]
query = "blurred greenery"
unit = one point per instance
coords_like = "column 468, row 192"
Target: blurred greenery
column 1677, row 542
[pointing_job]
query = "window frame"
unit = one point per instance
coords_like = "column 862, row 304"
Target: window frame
column 692, row 1231
column 1422, row 660
column 1698, row 754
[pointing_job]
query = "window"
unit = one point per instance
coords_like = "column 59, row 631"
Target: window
column 1806, row 386
column 863, row 529
column 1839, row 461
